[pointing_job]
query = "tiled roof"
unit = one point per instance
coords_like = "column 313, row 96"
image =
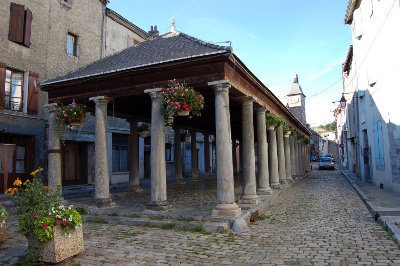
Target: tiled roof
column 169, row 48
column 351, row 6
column 295, row 89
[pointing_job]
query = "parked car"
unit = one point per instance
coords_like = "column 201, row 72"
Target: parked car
column 326, row 163
column 313, row 158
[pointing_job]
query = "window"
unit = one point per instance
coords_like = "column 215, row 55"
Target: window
column 119, row 153
column 72, row 44
column 379, row 155
column 20, row 160
column 13, row 90
column 20, row 25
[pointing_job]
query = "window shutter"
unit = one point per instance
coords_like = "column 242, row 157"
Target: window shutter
column 27, row 29
column 2, row 85
column 16, row 30
column 33, row 95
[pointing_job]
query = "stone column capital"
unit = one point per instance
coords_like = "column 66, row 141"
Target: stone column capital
column 220, row 85
column 51, row 106
column 100, row 100
column 261, row 110
column 271, row 128
column 248, row 101
column 286, row 135
column 154, row 93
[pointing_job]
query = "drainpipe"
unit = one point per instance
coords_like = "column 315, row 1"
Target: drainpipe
column 102, row 43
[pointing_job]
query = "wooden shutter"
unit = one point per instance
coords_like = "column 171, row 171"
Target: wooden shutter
column 16, row 31
column 33, row 95
column 27, row 29
column 2, row 84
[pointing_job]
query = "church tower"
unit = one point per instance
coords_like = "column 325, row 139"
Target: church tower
column 296, row 101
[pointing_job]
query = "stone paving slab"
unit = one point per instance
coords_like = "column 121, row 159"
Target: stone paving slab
column 318, row 221
column 382, row 204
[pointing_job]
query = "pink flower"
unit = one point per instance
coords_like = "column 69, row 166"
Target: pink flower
column 58, row 222
column 168, row 101
column 190, row 117
column 182, row 94
column 64, row 222
column 65, row 115
column 44, row 227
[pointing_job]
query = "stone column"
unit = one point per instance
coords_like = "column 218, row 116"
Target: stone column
column 102, row 178
column 292, row 156
column 281, row 156
column 299, row 162
column 54, row 150
column 249, row 195
column 234, row 158
column 178, row 155
column 288, row 166
column 158, row 166
column 297, row 154
column 193, row 155
column 262, row 151
column 225, row 183
column 303, row 155
column 134, row 158
column 273, row 158
column 207, row 168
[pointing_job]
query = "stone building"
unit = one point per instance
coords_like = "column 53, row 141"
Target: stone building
column 369, row 126
column 41, row 40
column 296, row 100
column 233, row 96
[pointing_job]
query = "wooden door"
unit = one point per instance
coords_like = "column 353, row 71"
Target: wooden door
column 74, row 164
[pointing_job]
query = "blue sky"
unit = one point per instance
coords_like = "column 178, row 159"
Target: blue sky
column 274, row 38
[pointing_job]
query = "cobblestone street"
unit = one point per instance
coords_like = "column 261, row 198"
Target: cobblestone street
column 320, row 220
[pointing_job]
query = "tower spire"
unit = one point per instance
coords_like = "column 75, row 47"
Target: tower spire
column 173, row 25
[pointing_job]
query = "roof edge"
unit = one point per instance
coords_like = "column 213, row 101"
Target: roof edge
column 351, row 6
column 126, row 23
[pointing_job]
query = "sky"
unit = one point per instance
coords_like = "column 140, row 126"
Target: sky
column 274, row 38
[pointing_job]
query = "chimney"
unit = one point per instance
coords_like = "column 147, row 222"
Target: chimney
column 153, row 33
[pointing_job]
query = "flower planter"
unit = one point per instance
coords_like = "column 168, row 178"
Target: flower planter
column 60, row 248
column 183, row 113
column 143, row 134
column 271, row 127
column 3, row 232
column 74, row 124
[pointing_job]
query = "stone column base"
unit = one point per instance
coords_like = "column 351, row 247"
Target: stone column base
column 135, row 189
column 249, row 199
column 264, row 191
column 104, row 203
column 289, row 179
column 226, row 210
column 180, row 181
column 276, row 186
column 282, row 181
column 158, row 206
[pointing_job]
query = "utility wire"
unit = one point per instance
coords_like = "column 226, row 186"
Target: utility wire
column 327, row 88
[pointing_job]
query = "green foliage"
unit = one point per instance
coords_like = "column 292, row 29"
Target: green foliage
column 273, row 120
column 285, row 128
column 143, row 127
column 3, row 215
column 39, row 210
column 331, row 127
column 306, row 141
column 81, row 210
column 184, row 219
column 181, row 97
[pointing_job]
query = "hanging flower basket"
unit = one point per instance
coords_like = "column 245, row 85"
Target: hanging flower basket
column 183, row 113
column 69, row 116
column 143, row 130
column 273, row 120
column 180, row 99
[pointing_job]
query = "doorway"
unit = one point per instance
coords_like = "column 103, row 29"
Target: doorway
column 75, row 170
column 366, row 156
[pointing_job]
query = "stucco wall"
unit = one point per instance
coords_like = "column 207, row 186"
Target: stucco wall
column 118, row 37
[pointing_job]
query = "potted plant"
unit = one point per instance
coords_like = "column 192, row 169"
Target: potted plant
column 180, row 99
column 185, row 136
column 54, row 231
column 143, row 129
column 3, row 218
column 272, row 121
column 286, row 130
column 74, row 114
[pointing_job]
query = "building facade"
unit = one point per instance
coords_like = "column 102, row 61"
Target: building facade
column 40, row 41
column 368, row 127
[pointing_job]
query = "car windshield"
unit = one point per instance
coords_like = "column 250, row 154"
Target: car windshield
column 325, row 159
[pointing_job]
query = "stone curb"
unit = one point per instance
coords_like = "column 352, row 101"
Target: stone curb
column 386, row 221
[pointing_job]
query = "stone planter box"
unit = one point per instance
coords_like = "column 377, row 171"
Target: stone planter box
column 60, row 248
column 3, row 232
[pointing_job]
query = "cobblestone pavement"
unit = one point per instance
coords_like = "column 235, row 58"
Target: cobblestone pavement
column 320, row 220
